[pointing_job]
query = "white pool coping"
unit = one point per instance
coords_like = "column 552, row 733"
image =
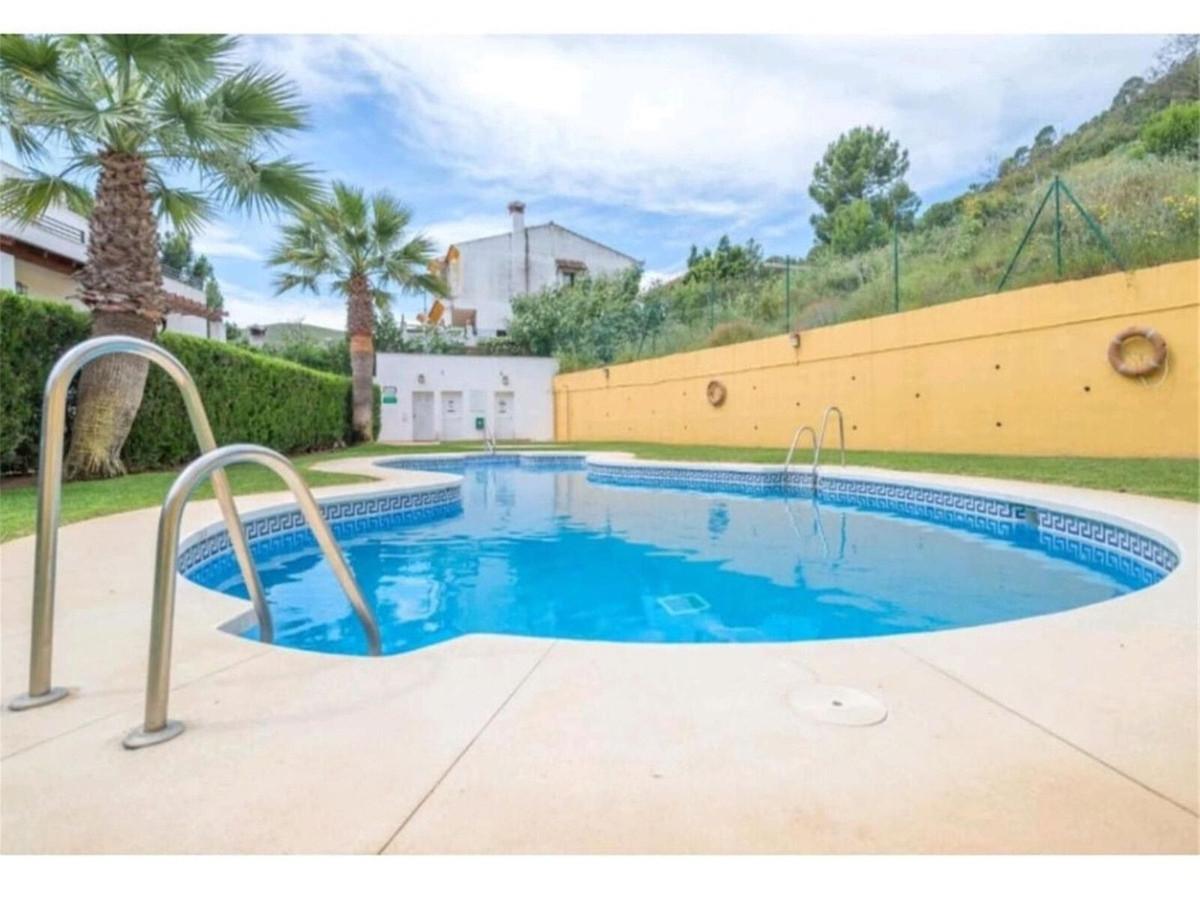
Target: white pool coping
column 1070, row 732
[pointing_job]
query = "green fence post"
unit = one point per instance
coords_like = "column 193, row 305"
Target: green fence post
column 1095, row 228
column 1058, row 226
column 787, row 293
column 1025, row 238
column 896, row 263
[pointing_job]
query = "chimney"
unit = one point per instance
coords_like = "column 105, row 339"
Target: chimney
column 517, row 210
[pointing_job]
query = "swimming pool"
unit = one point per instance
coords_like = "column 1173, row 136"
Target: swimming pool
column 553, row 547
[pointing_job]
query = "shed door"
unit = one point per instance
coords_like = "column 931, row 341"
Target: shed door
column 452, row 416
column 422, row 402
column 505, row 430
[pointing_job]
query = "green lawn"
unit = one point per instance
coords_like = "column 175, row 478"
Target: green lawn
column 87, row 499
column 1177, row 479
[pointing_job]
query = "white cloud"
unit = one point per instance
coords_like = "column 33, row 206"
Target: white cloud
column 452, row 231
column 723, row 127
column 315, row 65
column 222, row 242
column 651, row 277
column 247, row 306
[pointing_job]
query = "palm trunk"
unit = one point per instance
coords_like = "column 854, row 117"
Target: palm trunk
column 360, row 325
column 122, row 285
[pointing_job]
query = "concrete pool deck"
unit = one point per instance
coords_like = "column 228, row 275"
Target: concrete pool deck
column 1068, row 733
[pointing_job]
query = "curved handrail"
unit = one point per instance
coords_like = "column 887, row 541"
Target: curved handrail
column 821, row 440
column 156, row 728
column 792, row 449
column 50, row 463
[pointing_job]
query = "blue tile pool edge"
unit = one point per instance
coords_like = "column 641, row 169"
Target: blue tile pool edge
column 1054, row 524
column 278, row 527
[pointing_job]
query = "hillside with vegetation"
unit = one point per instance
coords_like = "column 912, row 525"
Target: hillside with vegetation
column 1133, row 168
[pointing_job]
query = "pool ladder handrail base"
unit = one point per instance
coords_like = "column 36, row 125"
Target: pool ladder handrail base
column 140, row 737
column 25, row 701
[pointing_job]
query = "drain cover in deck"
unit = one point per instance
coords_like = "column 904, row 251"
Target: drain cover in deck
column 837, row 705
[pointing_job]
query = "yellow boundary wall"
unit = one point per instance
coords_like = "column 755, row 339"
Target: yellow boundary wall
column 1022, row 373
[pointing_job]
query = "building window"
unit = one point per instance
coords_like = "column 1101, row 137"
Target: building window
column 569, row 271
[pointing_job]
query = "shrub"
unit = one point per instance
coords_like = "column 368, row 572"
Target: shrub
column 1174, row 130
column 305, row 350
column 33, row 335
column 500, row 346
column 249, row 397
column 733, row 333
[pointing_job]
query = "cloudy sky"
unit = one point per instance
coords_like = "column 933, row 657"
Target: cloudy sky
column 651, row 144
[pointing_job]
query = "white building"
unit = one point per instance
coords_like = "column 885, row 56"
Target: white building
column 442, row 397
column 486, row 273
column 42, row 259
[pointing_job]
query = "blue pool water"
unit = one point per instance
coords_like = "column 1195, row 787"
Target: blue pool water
column 545, row 552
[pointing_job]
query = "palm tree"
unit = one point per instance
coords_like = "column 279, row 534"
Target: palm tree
column 146, row 127
column 360, row 245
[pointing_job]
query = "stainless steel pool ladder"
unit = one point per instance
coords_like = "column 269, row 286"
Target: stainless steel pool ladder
column 818, row 440
column 50, row 463
column 156, row 727
column 489, row 439
column 830, row 410
column 792, row 449
column 212, row 464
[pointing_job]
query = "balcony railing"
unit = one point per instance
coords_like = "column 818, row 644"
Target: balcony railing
column 175, row 274
column 59, row 228
column 66, row 231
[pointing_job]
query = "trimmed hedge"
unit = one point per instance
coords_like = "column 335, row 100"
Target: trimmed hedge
column 33, row 334
column 249, row 397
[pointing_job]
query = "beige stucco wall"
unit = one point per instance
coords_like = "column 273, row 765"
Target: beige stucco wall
column 47, row 284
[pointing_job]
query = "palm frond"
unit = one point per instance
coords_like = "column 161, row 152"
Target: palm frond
column 186, row 210
column 289, row 280
column 258, row 103
column 28, row 145
column 30, row 56
column 260, row 186
column 350, row 205
column 348, row 235
column 175, row 59
column 389, row 218
column 25, row 198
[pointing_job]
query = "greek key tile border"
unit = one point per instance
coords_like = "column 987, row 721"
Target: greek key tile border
column 1097, row 539
column 345, row 516
column 498, row 460
column 746, row 482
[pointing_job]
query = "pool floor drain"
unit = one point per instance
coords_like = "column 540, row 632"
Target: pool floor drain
column 682, row 604
column 837, row 705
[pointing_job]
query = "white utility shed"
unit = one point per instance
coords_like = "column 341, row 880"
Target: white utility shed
column 439, row 397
